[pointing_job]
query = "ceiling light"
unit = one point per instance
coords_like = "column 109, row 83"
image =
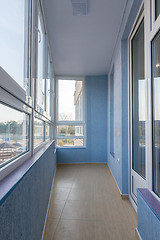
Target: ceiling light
column 79, row 7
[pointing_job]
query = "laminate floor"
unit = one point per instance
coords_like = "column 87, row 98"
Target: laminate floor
column 86, row 205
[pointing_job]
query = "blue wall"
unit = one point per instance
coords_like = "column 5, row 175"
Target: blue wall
column 23, row 212
column 96, row 125
column 120, row 170
column 148, row 218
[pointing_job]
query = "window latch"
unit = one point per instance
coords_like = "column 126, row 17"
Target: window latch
column 39, row 34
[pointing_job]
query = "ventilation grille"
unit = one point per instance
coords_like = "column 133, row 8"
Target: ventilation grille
column 79, row 7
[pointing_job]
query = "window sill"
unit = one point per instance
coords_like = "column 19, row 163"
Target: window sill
column 152, row 201
column 71, row 147
column 8, row 184
column 38, row 147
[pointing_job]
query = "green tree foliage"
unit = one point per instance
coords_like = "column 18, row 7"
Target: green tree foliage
column 71, row 130
column 3, row 127
column 12, row 126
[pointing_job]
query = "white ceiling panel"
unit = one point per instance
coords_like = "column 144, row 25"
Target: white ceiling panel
column 83, row 45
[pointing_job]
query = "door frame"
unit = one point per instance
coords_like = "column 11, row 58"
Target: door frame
column 142, row 182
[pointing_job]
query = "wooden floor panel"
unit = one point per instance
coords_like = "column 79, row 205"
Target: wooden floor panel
column 85, row 204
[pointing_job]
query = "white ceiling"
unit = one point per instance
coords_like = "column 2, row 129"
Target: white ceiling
column 83, row 45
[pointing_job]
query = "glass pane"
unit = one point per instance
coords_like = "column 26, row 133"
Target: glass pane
column 70, row 142
column 157, row 8
column 38, row 131
column 70, row 130
column 48, row 86
column 41, row 62
column 14, row 133
column 156, row 112
column 51, row 131
column 47, row 131
column 70, row 100
column 138, row 102
column 52, row 110
column 14, row 26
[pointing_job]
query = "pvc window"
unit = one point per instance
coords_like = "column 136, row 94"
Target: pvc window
column 41, row 59
column 23, row 129
column 43, row 129
column 47, row 131
column 49, row 90
column 70, row 130
column 14, row 134
column 38, row 131
column 15, row 41
column 45, row 80
column 156, row 112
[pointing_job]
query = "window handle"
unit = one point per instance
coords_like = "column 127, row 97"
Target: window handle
column 39, row 35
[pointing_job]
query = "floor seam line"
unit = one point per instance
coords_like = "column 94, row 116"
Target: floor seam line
column 62, row 212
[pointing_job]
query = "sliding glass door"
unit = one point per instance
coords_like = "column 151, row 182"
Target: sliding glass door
column 156, row 112
column 138, row 109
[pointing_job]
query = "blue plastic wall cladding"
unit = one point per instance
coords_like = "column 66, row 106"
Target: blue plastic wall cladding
column 120, row 170
column 23, row 212
column 96, row 125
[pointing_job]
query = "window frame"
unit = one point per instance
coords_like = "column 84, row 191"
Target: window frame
column 10, row 101
column 154, row 22
column 23, row 102
column 29, row 145
column 153, row 119
column 45, row 141
column 49, row 61
column 47, row 52
column 7, row 82
column 73, row 122
column 151, row 28
column 40, row 11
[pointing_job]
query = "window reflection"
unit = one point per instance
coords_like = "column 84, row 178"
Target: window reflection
column 47, row 131
column 138, row 101
column 157, row 8
column 48, row 87
column 41, row 62
column 38, row 131
column 156, row 112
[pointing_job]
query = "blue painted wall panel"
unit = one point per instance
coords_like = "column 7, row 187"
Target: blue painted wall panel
column 120, row 170
column 96, row 125
column 22, row 214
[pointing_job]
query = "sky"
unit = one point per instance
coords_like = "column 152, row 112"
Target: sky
column 10, row 114
column 12, row 38
column 12, row 48
column 142, row 99
column 157, row 98
column 66, row 90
